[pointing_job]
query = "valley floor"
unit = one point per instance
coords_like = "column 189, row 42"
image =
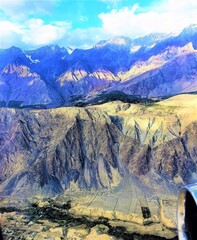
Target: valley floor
column 90, row 215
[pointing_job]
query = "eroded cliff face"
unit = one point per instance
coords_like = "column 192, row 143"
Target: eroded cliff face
column 99, row 147
column 48, row 151
column 166, row 136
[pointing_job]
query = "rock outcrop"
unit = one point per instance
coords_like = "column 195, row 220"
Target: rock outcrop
column 100, row 147
column 48, row 151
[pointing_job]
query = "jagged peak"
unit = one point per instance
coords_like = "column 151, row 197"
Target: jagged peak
column 191, row 29
column 14, row 49
column 155, row 35
column 49, row 48
column 56, row 48
column 13, row 55
column 118, row 40
column 150, row 39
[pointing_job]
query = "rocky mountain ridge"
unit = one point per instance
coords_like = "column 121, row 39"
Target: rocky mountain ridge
column 153, row 66
column 99, row 147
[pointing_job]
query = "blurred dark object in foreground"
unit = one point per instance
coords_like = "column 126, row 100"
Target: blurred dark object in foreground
column 187, row 213
column 1, row 235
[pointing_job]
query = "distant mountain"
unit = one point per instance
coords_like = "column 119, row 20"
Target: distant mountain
column 14, row 56
column 150, row 39
column 175, row 75
column 115, row 43
column 48, row 61
column 21, row 86
column 152, row 66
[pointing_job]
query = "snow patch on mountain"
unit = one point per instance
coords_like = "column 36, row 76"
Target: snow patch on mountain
column 32, row 60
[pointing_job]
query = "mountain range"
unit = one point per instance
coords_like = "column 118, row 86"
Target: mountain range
column 154, row 66
column 112, row 129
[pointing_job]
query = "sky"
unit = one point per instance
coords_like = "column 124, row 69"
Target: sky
column 30, row 24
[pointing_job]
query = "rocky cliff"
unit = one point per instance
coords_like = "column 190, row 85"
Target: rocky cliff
column 152, row 147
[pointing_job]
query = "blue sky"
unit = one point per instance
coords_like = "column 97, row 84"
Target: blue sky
column 82, row 23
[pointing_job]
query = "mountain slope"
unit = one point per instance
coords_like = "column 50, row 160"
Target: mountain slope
column 48, row 151
column 20, row 86
column 175, row 76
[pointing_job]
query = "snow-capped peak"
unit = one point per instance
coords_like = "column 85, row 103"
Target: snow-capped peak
column 118, row 41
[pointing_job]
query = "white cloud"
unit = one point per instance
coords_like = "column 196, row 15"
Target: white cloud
column 168, row 16
column 9, row 34
column 182, row 6
column 38, row 33
column 32, row 33
column 8, row 5
column 164, row 16
column 83, row 38
column 20, row 9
